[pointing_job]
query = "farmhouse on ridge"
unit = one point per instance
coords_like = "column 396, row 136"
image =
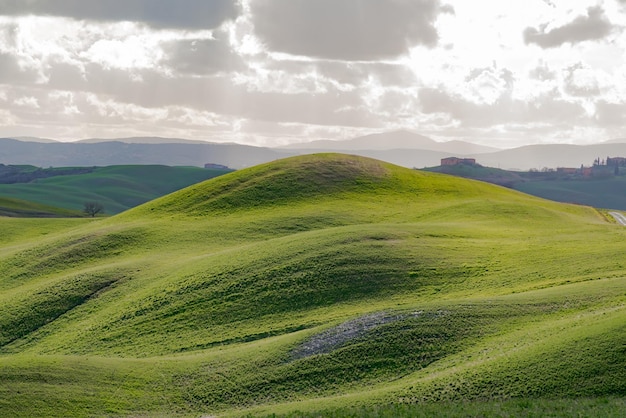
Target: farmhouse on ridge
column 616, row 161
column 457, row 161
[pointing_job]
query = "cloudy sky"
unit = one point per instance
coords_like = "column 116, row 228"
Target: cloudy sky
column 268, row 72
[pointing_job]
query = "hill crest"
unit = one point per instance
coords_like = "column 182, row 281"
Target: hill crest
column 286, row 180
column 317, row 178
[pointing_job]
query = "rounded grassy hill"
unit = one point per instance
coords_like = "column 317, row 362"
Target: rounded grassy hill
column 314, row 282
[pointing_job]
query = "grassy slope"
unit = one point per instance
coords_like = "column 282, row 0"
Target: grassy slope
column 192, row 303
column 116, row 187
column 21, row 208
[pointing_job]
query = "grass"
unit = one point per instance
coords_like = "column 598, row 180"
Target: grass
column 118, row 188
column 196, row 302
column 565, row 408
column 24, row 209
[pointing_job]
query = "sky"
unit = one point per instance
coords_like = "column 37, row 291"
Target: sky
column 273, row 72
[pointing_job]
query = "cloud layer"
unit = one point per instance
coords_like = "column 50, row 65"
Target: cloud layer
column 277, row 71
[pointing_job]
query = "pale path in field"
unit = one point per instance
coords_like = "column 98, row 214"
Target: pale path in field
column 620, row 218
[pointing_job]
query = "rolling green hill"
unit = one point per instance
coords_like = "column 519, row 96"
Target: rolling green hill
column 316, row 283
column 117, row 188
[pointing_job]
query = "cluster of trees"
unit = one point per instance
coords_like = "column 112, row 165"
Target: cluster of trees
column 614, row 162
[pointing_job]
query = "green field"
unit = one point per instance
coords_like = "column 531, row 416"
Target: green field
column 25, row 209
column 600, row 191
column 604, row 192
column 324, row 285
column 117, row 188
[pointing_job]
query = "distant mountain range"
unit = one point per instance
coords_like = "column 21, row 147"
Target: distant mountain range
column 551, row 156
column 67, row 154
column 394, row 140
column 615, row 141
column 144, row 140
column 402, row 148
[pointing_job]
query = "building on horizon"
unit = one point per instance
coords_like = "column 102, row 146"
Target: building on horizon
column 567, row 170
column 458, row 161
column 616, row 161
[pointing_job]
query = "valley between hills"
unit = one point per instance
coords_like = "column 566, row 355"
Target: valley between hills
column 317, row 285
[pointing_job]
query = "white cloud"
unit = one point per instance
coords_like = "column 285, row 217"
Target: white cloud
column 127, row 54
column 29, row 102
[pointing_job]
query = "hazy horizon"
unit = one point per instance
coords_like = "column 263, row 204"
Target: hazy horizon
column 276, row 72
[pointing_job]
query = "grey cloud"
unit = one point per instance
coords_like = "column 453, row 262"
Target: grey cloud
column 258, row 127
column 8, row 33
column 11, row 72
column 492, row 77
column 547, row 108
column 45, row 112
column 391, row 74
column 348, row 74
column 180, row 14
column 202, row 56
column 332, row 108
column 553, row 109
column 579, row 85
column 65, row 76
column 355, row 73
column 610, row 114
column 542, row 72
column 347, row 29
column 219, row 94
column 446, row 8
column 593, row 26
column 434, row 100
column 397, row 105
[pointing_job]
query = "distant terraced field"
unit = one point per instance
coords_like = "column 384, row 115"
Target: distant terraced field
column 117, row 188
column 326, row 284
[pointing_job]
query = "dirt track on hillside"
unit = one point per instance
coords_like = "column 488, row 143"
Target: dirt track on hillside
column 619, row 217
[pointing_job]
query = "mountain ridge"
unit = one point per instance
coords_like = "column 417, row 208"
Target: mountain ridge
column 390, row 141
column 238, row 156
column 66, row 154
